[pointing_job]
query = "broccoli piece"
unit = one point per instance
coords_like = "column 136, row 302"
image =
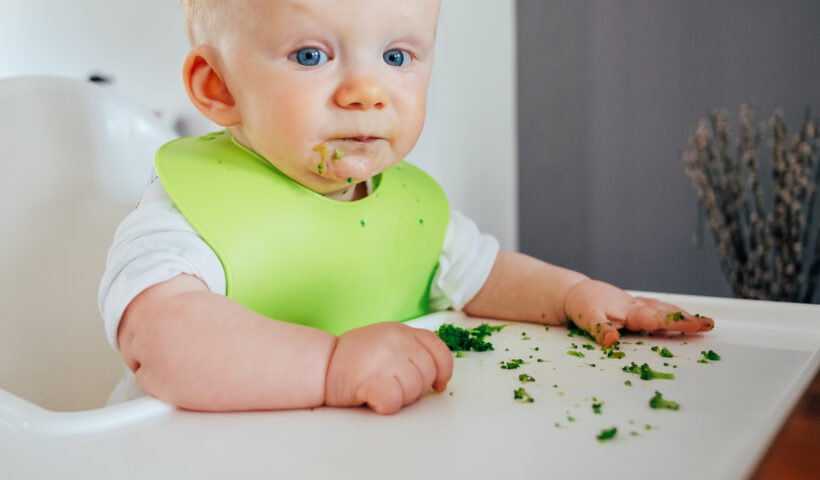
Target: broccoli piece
column 628, row 383
column 460, row 354
column 664, row 352
column 525, row 378
column 607, row 434
column 512, row 364
column 575, row 353
column 658, row 402
column 460, row 339
column 647, row 373
column 456, row 338
column 588, row 346
column 710, row 355
column 612, row 352
column 521, row 396
column 674, row 317
column 574, row 330
column 596, row 408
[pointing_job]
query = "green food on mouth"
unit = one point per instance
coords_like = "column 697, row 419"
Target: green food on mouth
column 338, row 154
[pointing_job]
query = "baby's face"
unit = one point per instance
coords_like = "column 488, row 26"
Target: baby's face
column 350, row 76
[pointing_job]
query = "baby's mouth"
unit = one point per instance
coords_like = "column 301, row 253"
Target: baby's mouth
column 361, row 139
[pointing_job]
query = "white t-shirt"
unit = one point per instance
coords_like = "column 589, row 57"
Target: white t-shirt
column 156, row 243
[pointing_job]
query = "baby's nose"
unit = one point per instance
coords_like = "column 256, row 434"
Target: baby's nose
column 361, row 93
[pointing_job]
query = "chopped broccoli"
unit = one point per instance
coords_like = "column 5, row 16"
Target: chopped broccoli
column 596, row 408
column 521, row 396
column 512, row 364
column 575, row 353
column 458, row 339
column 607, row 434
column 588, row 346
column 658, row 402
column 674, row 317
column 575, row 330
column 639, row 342
column 647, row 373
column 459, row 354
column 546, row 327
column 666, row 353
column 710, row 355
column 628, row 383
column 525, row 378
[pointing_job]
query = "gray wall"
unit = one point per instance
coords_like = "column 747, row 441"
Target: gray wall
column 609, row 92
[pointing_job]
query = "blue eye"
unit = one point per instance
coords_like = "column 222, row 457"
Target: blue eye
column 396, row 57
column 309, row 56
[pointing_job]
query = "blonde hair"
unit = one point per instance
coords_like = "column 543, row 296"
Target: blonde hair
column 201, row 18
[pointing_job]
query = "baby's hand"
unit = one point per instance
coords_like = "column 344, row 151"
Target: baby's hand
column 386, row 365
column 601, row 309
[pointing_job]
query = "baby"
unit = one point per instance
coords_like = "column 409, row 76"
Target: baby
column 270, row 265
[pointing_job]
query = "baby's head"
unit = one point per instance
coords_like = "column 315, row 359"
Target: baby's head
column 294, row 80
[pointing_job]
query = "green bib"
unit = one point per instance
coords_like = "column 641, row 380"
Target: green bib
column 292, row 254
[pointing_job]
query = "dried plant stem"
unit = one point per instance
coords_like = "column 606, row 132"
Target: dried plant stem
column 763, row 255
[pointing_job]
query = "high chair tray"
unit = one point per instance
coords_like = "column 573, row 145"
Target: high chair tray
column 729, row 411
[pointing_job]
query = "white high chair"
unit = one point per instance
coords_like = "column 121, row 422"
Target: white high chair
column 75, row 159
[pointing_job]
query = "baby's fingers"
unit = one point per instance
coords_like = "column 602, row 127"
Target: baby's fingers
column 442, row 358
column 385, row 396
column 602, row 328
column 650, row 315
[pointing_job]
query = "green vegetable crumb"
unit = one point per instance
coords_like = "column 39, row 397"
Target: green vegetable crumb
column 658, row 402
column 647, row 373
column 512, row 364
column 710, row 355
column 525, row 378
column 458, row 339
column 575, row 353
column 607, row 434
column 521, row 396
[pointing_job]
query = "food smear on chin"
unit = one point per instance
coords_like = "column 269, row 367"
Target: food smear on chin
column 323, row 150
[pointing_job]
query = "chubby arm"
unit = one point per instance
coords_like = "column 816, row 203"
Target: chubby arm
column 524, row 288
column 202, row 351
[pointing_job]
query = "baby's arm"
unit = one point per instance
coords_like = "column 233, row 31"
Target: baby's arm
column 526, row 289
column 202, row 351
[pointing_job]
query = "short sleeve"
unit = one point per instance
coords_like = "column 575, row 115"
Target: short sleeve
column 153, row 244
column 467, row 258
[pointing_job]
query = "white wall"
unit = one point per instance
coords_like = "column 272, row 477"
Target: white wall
column 468, row 144
column 469, row 141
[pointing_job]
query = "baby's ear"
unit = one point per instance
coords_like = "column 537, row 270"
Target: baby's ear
column 206, row 87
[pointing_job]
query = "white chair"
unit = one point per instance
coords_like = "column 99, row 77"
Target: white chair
column 75, row 158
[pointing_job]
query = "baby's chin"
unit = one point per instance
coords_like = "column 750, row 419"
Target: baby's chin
column 355, row 168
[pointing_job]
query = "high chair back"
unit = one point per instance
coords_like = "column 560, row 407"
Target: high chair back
column 75, row 158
